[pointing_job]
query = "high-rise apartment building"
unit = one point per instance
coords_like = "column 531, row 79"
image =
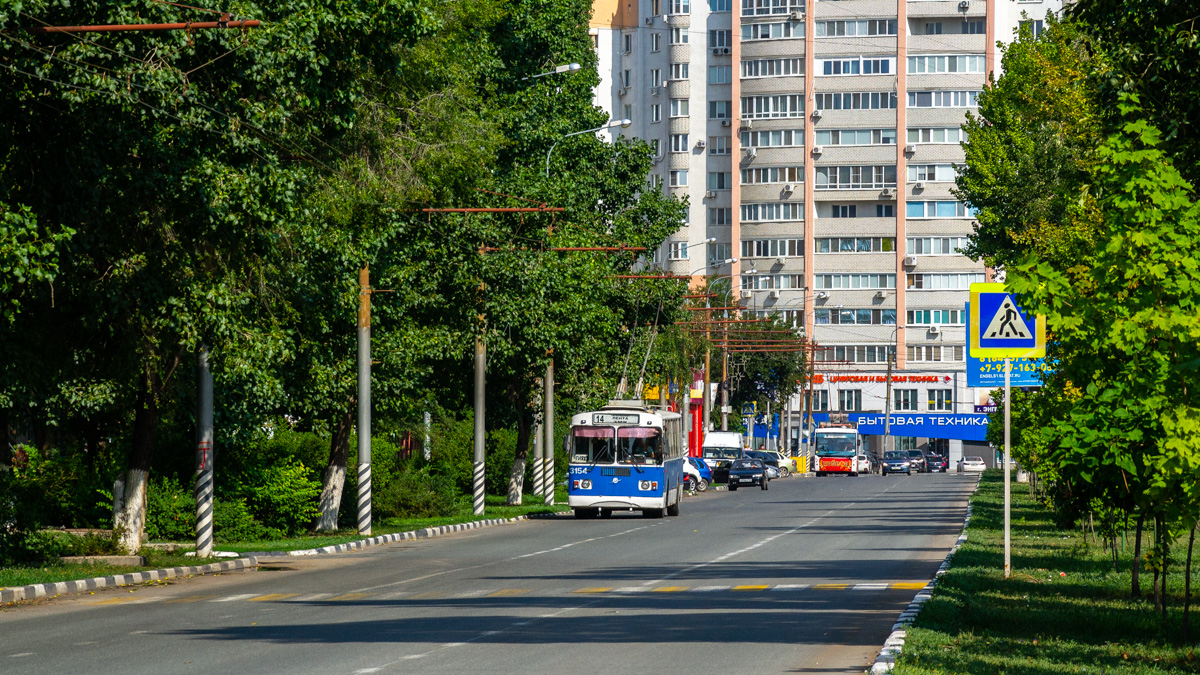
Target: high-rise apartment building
column 817, row 143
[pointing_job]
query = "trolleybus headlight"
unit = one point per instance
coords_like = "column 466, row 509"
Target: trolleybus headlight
column 654, row 485
column 575, row 485
column 644, row 485
column 585, row 484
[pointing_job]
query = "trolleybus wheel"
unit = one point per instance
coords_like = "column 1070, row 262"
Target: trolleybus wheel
column 606, row 513
column 732, row 487
column 584, row 513
column 673, row 510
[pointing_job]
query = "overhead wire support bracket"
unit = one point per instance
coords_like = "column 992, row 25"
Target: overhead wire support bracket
column 225, row 22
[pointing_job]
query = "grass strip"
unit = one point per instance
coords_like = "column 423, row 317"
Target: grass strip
column 1064, row 610
column 13, row 577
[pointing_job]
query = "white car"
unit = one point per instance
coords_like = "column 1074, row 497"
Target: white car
column 691, row 476
column 971, row 465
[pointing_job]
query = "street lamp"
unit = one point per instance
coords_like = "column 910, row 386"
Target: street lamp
column 567, row 68
column 624, row 124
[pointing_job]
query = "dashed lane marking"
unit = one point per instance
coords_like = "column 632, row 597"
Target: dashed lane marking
column 830, row 587
column 869, row 587
column 272, row 597
column 910, row 585
column 598, row 589
column 670, row 589
column 192, row 598
column 752, row 587
column 347, row 597
column 508, row 593
column 233, row 598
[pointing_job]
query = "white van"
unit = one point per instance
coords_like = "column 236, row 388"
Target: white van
column 721, row 446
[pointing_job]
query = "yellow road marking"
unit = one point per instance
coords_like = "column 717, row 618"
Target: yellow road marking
column 191, row 598
column 757, row 587
column 830, row 587
column 909, row 585
column 349, row 596
column 669, row 589
column 508, row 592
column 601, row 589
column 272, row 597
column 111, row 601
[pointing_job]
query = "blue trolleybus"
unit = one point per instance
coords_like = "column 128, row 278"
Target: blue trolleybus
column 625, row 457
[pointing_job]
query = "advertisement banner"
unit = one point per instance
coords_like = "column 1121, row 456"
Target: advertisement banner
column 959, row 426
column 988, row 371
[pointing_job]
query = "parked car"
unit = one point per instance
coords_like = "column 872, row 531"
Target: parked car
column 971, row 465
column 771, row 459
column 896, row 461
column 787, row 464
column 702, row 469
column 747, row 473
column 773, row 473
column 868, row 460
column 916, row 460
column 936, row 463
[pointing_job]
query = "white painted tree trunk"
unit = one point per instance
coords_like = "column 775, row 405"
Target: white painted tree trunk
column 331, row 498
column 516, row 481
column 131, row 522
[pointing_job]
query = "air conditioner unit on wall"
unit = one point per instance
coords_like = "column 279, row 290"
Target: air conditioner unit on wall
column 788, row 187
column 934, row 330
column 747, row 124
column 918, row 186
column 622, row 91
column 910, row 261
column 774, row 295
column 889, row 193
column 797, row 16
column 649, row 21
column 726, row 51
column 822, row 295
column 816, row 150
column 964, row 6
column 726, row 123
column 711, row 194
column 881, row 294
column 746, row 295
column 700, row 144
column 910, row 149
column 816, row 115
column 751, row 152
column 716, row 51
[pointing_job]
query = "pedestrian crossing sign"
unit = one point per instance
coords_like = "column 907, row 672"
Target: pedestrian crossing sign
column 999, row 328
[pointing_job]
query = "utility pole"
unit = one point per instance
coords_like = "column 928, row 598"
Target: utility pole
column 204, row 455
column 538, row 458
column 426, row 446
column 548, row 485
column 725, row 378
column 812, row 373
column 887, row 407
column 1007, row 469
column 477, row 480
column 364, row 401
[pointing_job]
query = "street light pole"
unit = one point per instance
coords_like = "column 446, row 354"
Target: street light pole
column 364, row 401
column 624, row 124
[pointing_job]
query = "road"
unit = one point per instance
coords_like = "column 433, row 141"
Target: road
column 808, row 576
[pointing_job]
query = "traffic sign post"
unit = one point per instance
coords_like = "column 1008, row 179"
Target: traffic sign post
column 999, row 328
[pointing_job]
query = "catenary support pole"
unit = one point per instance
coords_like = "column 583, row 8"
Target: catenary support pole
column 364, row 401
column 477, row 480
column 1007, row 468
column 204, row 455
column 724, row 381
column 539, row 458
column 426, row 445
column 887, row 407
column 548, row 448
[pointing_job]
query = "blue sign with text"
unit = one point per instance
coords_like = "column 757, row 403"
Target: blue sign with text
column 959, row 426
column 988, row 371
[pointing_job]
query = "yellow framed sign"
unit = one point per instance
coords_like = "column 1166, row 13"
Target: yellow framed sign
column 999, row 328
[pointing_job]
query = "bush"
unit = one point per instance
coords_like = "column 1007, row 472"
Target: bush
column 170, row 511
column 282, row 497
column 419, row 494
column 232, row 521
column 19, row 522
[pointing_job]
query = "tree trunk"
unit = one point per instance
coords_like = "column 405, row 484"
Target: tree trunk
column 334, row 479
column 1187, row 584
column 131, row 524
column 1154, row 588
column 1135, row 586
column 1166, row 551
column 516, row 477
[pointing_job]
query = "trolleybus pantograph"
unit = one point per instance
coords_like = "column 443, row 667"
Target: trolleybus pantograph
column 837, row 450
column 625, row 457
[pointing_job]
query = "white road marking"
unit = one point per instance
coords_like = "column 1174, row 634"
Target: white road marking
column 472, row 594
column 13, row 656
column 869, row 587
column 790, row 587
column 311, row 597
column 232, row 598
column 710, row 589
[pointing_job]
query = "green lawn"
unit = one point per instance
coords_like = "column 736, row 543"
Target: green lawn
column 11, row 577
column 1040, row 622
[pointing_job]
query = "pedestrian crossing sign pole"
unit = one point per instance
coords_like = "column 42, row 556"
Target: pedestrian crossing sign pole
column 999, row 328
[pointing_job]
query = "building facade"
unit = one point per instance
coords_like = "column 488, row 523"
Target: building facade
column 816, row 142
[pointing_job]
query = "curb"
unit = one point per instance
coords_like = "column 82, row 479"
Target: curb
column 886, row 660
column 426, row 533
column 11, row 595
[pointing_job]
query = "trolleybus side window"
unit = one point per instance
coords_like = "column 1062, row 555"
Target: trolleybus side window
column 639, row 445
column 593, row 445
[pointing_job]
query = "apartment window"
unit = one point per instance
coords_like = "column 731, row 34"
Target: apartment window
column 851, row 281
column 655, row 112
column 865, row 317
column 679, row 107
column 773, row 174
column 867, row 100
column 719, row 180
column 855, row 177
column 767, row 107
column 720, row 110
column 936, row 317
column 628, row 108
column 856, row 137
column 656, row 6
column 719, row 145
column 904, row 399
column 595, row 40
column 680, row 6
column 855, row 353
column 856, row 28
column 656, row 77
column 932, row 173
column 772, row 67
column 677, row 250
column 943, row 282
column 855, row 244
column 628, row 39
column 850, row 399
column 771, row 212
column 762, row 7
column 820, row 400
column 1035, row 27
column 960, row 63
column 938, row 210
column 677, row 178
column 924, row 353
column 935, row 245
column 857, row 66
column 943, row 99
column 720, row 5
column 720, row 74
column 719, row 253
column 720, row 216
column 934, row 28
column 773, row 138
column 941, row 399
column 679, row 143
column 772, row 31
column 625, row 78
column 654, row 182
column 974, row 27
column 767, row 282
column 720, row 38
column 772, row 248
column 679, row 36
column 885, row 211
column 654, row 147
column 935, row 135
column 843, row 211
column 679, row 71
column 655, row 42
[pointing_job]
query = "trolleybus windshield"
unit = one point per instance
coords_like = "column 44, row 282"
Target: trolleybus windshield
column 639, row 445
column 593, row 445
column 836, row 444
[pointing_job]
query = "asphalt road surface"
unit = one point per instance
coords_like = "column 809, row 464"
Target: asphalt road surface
column 808, row 576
